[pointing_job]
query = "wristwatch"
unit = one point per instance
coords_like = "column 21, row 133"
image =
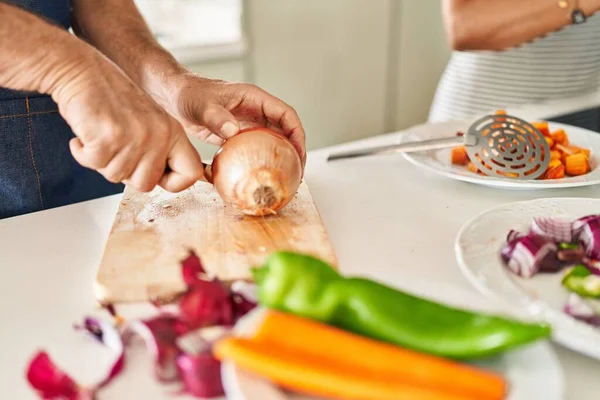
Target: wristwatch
column 577, row 16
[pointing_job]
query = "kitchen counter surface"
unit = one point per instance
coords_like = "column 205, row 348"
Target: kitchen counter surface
column 386, row 219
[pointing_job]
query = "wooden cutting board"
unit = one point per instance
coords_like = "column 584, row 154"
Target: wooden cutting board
column 154, row 231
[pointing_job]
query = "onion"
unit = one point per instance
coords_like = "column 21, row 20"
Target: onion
column 526, row 255
column 52, row 383
column 512, row 234
column 579, row 224
column 586, row 310
column 257, row 171
column 556, row 229
column 179, row 338
column 589, row 237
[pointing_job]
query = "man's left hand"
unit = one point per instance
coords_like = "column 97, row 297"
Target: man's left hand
column 215, row 110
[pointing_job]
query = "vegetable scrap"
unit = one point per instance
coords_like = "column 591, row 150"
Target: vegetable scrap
column 553, row 245
column 566, row 159
column 308, row 287
column 180, row 338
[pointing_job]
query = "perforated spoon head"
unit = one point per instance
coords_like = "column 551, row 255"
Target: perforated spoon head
column 508, row 147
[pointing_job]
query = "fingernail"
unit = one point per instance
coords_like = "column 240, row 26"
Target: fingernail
column 229, row 129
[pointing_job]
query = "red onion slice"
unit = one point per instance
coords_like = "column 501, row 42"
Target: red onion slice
column 590, row 238
column 579, row 224
column 528, row 254
column 51, row 382
column 107, row 334
column 192, row 269
column 552, row 228
column 585, row 310
column 200, row 374
column 512, row 235
column 160, row 336
column 206, row 303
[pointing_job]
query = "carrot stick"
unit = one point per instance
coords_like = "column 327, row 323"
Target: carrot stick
column 313, row 376
column 334, row 345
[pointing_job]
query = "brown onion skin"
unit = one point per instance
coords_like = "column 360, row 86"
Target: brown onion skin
column 258, row 171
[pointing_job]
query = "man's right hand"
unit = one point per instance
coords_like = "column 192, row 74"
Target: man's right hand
column 121, row 132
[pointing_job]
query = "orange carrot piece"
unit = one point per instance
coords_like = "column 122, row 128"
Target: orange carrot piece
column 472, row 167
column 577, row 149
column 313, row 376
column 559, row 136
column 557, row 172
column 510, row 174
column 564, row 149
column 334, row 345
column 554, row 163
column 500, row 112
column 549, row 141
column 555, row 155
column 459, row 156
column 542, row 126
column 576, row 164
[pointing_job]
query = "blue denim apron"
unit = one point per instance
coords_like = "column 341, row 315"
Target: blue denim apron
column 37, row 170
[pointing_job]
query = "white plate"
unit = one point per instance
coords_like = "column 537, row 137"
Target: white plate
column 438, row 161
column 532, row 371
column 542, row 296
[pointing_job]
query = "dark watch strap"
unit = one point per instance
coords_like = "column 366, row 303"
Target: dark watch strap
column 578, row 17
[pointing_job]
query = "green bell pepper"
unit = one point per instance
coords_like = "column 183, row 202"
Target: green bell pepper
column 310, row 288
column 580, row 280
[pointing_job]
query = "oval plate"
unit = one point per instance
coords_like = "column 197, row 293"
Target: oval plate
column 543, row 378
column 541, row 297
column 438, row 161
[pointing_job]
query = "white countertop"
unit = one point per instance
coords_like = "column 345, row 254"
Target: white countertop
column 386, row 218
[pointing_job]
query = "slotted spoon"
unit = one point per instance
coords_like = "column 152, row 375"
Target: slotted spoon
column 498, row 145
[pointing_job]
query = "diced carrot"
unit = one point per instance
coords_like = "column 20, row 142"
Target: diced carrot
column 559, row 136
column 555, row 155
column 335, row 347
column 500, row 112
column 577, row 149
column 564, row 149
column 556, row 172
column 509, row 174
column 542, row 126
column 576, row 164
column 459, row 156
column 554, row 163
column 549, row 140
column 472, row 167
column 309, row 375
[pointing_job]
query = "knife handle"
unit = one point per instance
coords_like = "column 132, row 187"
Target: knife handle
column 207, row 177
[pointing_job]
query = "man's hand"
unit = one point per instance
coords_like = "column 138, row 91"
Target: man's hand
column 120, row 130
column 124, row 134
column 214, row 110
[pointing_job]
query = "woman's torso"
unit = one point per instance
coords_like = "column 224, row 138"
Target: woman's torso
column 563, row 64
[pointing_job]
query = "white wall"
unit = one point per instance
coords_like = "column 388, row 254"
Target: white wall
column 326, row 58
column 351, row 68
column 421, row 58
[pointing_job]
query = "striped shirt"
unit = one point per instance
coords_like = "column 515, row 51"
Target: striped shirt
column 563, row 64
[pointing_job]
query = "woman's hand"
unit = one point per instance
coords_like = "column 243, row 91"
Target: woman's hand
column 215, row 110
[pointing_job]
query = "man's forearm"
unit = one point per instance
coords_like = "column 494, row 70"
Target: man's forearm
column 117, row 29
column 36, row 55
